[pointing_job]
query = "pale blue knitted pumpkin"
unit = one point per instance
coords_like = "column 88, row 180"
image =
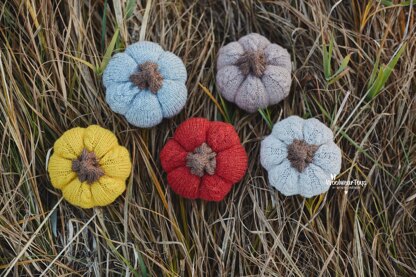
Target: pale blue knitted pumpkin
column 145, row 84
column 300, row 156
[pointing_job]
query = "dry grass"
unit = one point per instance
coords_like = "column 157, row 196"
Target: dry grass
column 52, row 54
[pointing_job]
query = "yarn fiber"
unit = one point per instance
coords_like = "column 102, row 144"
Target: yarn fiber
column 89, row 166
column 253, row 72
column 204, row 159
column 145, row 84
column 300, row 156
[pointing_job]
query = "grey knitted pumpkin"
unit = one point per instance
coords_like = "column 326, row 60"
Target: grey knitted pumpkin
column 253, row 72
column 300, row 156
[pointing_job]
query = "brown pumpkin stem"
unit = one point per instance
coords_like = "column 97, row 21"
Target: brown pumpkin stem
column 300, row 154
column 202, row 160
column 87, row 167
column 253, row 62
column 148, row 77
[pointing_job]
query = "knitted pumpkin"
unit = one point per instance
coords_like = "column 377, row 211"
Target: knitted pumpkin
column 145, row 84
column 300, row 156
column 204, row 159
column 253, row 73
column 89, row 166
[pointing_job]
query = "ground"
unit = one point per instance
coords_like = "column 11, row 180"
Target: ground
column 354, row 67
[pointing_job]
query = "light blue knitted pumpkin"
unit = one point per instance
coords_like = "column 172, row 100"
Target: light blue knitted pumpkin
column 300, row 156
column 145, row 84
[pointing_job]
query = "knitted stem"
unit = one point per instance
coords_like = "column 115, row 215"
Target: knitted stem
column 148, row 76
column 300, row 154
column 202, row 160
column 253, row 62
column 87, row 167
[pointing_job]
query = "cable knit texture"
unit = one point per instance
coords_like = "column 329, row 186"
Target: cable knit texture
column 145, row 84
column 253, row 72
column 204, row 159
column 89, row 166
column 300, row 156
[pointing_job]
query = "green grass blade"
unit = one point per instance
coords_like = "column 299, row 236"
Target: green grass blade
column 390, row 66
column 109, row 51
column 327, row 58
column 374, row 72
column 104, row 25
column 343, row 65
column 130, row 8
column 384, row 74
column 266, row 117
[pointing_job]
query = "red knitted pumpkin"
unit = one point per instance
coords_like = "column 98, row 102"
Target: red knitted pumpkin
column 204, row 159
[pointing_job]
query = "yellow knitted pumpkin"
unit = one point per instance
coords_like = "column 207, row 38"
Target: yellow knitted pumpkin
column 89, row 166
